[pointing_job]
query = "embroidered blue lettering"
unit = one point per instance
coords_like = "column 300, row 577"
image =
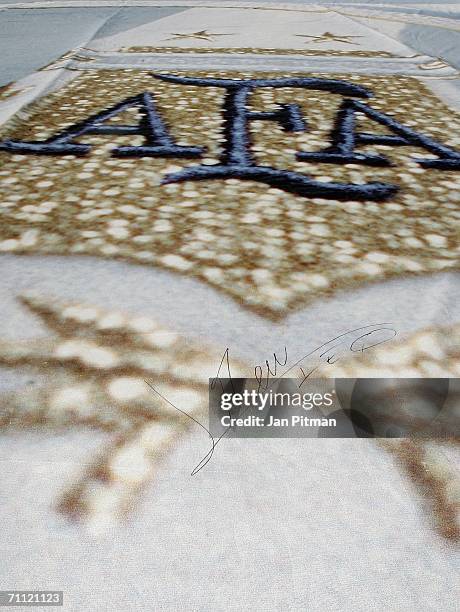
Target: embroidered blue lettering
column 345, row 138
column 158, row 142
column 237, row 160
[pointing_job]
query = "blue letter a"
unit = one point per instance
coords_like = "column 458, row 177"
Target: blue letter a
column 158, row 141
column 345, row 138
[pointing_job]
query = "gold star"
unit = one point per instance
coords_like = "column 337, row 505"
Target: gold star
column 97, row 363
column 329, row 37
column 95, row 369
column 9, row 90
column 201, row 35
column 432, row 352
column 316, row 269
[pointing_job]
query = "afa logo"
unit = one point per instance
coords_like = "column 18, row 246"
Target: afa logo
column 236, row 158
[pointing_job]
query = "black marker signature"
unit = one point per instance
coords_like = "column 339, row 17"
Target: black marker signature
column 208, row 455
column 365, row 341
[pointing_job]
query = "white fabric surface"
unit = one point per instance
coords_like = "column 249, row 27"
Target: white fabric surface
column 267, row 525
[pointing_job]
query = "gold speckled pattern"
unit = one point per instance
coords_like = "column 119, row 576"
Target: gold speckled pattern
column 429, row 353
column 269, row 250
column 9, row 91
column 96, row 367
column 437, row 479
column 246, row 50
column 5, row 91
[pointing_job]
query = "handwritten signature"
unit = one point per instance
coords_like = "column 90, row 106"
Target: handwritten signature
column 355, row 340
